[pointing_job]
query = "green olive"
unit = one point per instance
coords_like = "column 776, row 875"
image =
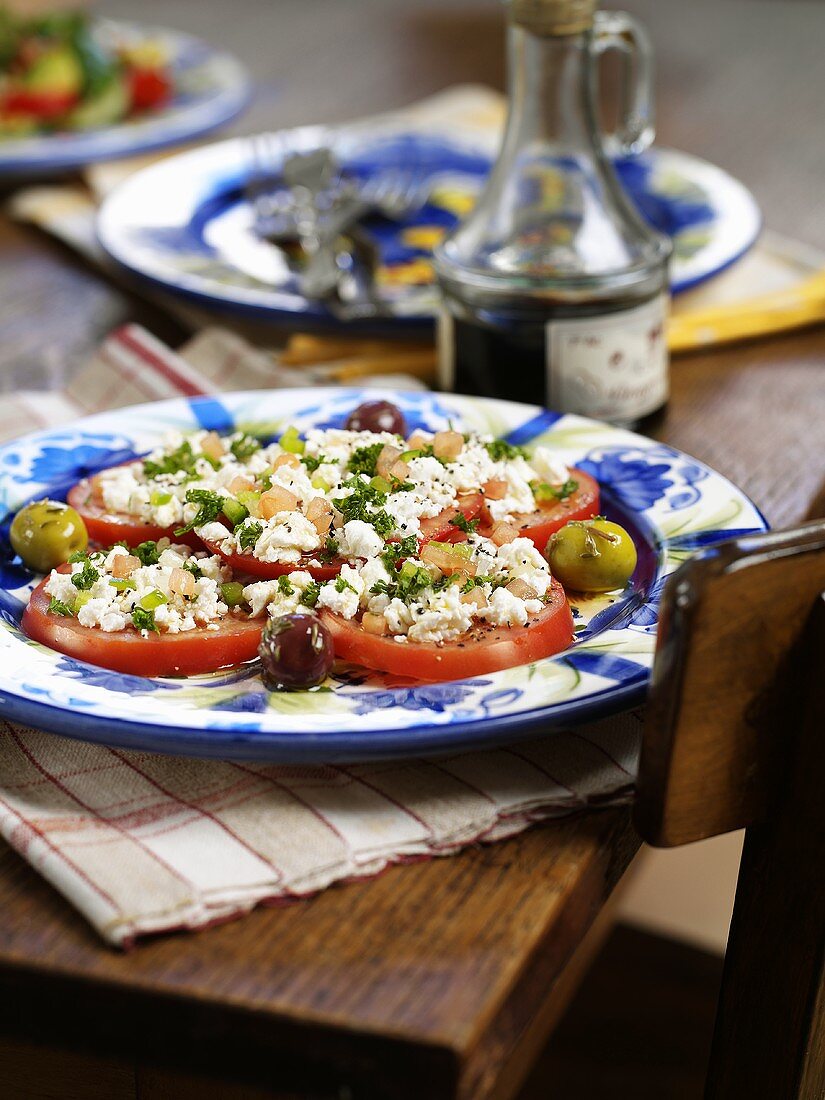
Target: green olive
column 591, row 555
column 46, row 532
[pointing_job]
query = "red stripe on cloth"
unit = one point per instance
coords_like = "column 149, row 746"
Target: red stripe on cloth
column 288, row 790
column 78, row 870
column 200, row 810
column 134, row 840
column 602, row 750
column 166, row 366
column 540, row 768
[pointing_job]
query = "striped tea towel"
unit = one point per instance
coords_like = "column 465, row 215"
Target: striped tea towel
column 143, row 843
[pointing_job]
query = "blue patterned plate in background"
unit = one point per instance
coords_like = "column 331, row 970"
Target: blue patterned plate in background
column 211, row 87
column 185, row 225
column 671, row 503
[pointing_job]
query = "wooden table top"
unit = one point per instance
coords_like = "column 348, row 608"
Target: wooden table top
column 431, row 972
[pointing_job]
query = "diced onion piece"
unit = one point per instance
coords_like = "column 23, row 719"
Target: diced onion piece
column 240, row 484
column 448, row 444
column 504, row 532
column 182, row 582
column 96, row 488
column 212, row 446
column 522, row 589
column 417, row 441
column 374, row 624
column 446, row 558
column 277, row 499
column 386, row 459
column 475, row 596
column 496, row 488
column 399, row 470
column 319, row 513
column 286, row 460
column 124, row 565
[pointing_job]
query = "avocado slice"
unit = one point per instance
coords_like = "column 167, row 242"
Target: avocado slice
column 107, row 106
column 57, row 72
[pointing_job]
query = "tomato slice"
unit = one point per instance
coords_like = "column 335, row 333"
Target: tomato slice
column 248, row 563
column 485, row 649
column 106, row 528
column 187, row 654
column 441, row 529
column 549, row 518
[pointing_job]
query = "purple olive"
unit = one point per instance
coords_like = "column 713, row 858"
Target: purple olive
column 296, row 653
column 377, row 416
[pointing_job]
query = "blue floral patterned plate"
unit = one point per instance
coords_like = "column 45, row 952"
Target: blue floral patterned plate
column 211, row 88
column 671, row 503
column 185, row 224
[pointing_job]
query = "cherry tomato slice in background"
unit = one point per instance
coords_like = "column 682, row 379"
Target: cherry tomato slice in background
column 43, row 106
column 148, row 88
column 189, row 653
column 485, row 649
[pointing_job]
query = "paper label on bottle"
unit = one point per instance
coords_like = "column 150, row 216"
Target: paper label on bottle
column 613, row 367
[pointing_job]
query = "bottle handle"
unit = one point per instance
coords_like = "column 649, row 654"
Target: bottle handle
column 616, row 30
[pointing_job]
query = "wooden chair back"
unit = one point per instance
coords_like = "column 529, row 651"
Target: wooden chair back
column 735, row 738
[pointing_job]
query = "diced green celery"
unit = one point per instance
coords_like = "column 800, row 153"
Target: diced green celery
column 80, row 599
column 381, row 484
column 153, row 599
column 407, row 455
column 321, row 485
column 251, row 501
column 122, row 583
column 158, row 498
column 292, row 442
column 234, row 511
column 232, row 593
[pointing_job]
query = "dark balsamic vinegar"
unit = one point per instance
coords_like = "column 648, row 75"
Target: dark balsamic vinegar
column 508, row 359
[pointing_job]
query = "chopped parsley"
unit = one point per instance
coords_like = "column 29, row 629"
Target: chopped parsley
column 147, row 553
column 210, row 506
column 81, row 555
column 312, row 462
column 309, row 597
column 191, row 566
column 405, row 582
column 57, row 607
column 285, row 586
column 249, row 534
column 364, row 459
column 86, row 577
column 244, row 447
column 358, row 506
column 342, row 585
column 330, row 550
column 468, row 526
column 144, row 619
column 500, row 449
column 180, row 461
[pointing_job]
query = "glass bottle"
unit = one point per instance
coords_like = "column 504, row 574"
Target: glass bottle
column 555, row 290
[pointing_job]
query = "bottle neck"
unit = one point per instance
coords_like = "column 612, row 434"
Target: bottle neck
column 551, row 92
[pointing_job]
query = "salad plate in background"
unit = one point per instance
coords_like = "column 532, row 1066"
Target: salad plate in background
column 75, row 89
column 671, row 504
